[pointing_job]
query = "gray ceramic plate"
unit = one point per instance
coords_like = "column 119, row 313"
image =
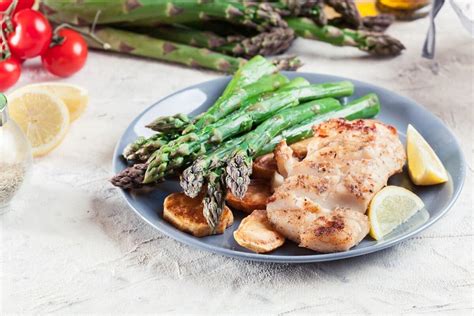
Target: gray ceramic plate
column 396, row 110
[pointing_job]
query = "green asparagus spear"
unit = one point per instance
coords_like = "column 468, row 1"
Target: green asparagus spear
column 222, row 107
column 255, row 108
column 214, row 201
column 126, row 42
column 365, row 107
column 377, row 44
column 231, row 103
column 239, row 166
column 348, row 12
column 259, row 16
column 146, row 46
column 248, row 74
column 273, row 42
column 172, row 155
column 193, row 177
column 312, row 9
column 142, row 148
column 170, row 124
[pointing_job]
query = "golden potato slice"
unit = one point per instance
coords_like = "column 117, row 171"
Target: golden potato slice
column 265, row 166
column 256, row 233
column 256, row 197
column 185, row 214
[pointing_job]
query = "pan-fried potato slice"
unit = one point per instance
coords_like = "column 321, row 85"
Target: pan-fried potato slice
column 265, row 166
column 256, row 233
column 185, row 214
column 256, row 197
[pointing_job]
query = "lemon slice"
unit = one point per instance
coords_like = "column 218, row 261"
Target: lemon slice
column 75, row 97
column 391, row 207
column 43, row 117
column 424, row 166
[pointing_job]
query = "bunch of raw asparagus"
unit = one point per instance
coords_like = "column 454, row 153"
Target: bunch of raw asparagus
column 222, row 34
column 213, row 152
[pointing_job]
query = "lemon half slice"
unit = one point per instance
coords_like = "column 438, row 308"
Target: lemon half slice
column 75, row 97
column 43, row 117
column 424, row 166
column 391, row 207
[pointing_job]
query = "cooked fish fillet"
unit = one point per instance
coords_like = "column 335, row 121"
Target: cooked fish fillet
column 264, row 166
column 322, row 201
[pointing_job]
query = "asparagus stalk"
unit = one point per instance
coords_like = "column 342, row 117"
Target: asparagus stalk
column 348, row 11
column 365, row 107
column 141, row 149
column 193, row 177
column 260, row 16
column 172, row 155
column 377, row 44
column 126, row 42
column 263, row 107
column 145, row 46
column 131, row 177
column 249, row 73
column 272, row 42
column 214, row 201
column 221, row 107
column 239, row 166
column 233, row 102
column 170, row 124
column 312, row 9
column 377, row 23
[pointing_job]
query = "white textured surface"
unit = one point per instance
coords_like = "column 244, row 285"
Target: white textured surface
column 69, row 244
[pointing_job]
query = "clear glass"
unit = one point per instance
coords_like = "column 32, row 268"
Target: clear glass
column 15, row 160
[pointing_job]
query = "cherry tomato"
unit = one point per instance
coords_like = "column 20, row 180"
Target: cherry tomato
column 31, row 36
column 21, row 5
column 10, row 70
column 67, row 57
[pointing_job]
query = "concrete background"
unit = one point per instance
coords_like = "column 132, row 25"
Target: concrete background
column 69, row 243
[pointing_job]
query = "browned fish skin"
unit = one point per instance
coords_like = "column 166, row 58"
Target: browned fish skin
column 322, row 201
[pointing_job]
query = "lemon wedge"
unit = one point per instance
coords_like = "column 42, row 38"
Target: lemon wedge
column 424, row 166
column 75, row 97
column 43, row 117
column 391, row 207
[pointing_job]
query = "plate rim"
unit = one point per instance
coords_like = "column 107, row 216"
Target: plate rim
column 317, row 257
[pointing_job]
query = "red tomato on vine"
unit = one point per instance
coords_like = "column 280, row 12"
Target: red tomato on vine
column 31, row 34
column 21, row 5
column 66, row 57
column 10, row 70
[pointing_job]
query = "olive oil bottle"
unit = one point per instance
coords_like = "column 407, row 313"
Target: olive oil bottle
column 401, row 9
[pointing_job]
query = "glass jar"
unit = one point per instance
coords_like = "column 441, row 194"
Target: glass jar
column 15, row 155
